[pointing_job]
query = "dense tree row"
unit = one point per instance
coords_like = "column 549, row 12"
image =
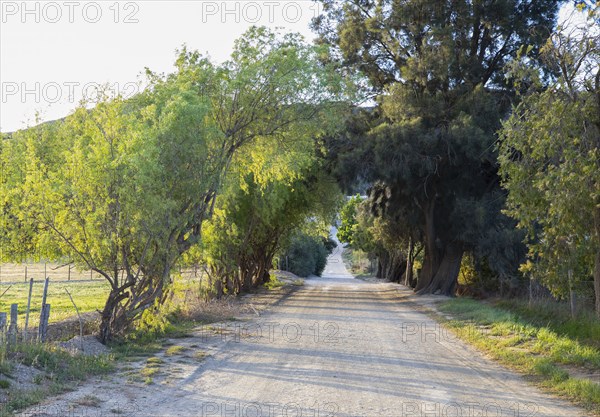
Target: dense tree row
column 444, row 76
column 126, row 187
column 236, row 165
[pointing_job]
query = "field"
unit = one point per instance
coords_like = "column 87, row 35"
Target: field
column 88, row 295
column 10, row 273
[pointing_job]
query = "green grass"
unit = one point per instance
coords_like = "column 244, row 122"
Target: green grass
column 61, row 372
column 89, row 296
column 538, row 351
column 557, row 317
column 357, row 262
column 273, row 283
column 175, row 350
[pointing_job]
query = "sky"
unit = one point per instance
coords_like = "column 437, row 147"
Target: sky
column 54, row 53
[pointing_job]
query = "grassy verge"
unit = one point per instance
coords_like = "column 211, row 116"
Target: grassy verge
column 358, row 263
column 56, row 371
column 548, row 354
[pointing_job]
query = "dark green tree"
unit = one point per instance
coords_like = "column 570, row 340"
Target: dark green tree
column 436, row 70
column 348, row 220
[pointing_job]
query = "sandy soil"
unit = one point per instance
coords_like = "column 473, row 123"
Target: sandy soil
column 336, row 346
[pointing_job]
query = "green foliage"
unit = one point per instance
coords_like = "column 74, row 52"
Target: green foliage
column 348, row 220
column 549, row 157
column 125, row 187
column 437, row 69
column 306, row 255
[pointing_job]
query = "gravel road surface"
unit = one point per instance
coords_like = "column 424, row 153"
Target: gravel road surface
column 336, row 346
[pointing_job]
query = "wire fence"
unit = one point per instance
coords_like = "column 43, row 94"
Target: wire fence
column 11, row 273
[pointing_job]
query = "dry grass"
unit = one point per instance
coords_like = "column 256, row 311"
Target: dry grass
column 10, row 272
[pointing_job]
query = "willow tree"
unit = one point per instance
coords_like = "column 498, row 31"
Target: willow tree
column 124, row 187
column 436, row 70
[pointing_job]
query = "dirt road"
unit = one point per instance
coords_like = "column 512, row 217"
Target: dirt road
column 335, row 347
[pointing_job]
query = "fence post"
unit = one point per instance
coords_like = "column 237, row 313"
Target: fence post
column 43, row 330
column 25, row 273
column 28, row 308
column 69, row 279
column 12, row 329
column 2, row 326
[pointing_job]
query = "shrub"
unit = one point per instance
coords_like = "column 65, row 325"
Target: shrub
column 306, row 255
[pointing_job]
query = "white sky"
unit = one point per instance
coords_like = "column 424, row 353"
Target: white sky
column 52, row 53
column 48, row 66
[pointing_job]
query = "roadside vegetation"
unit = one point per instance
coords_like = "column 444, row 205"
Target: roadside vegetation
column 56, row 371
column 473, row 185
column 478, row 159
column 211, row 165
column 557, row 352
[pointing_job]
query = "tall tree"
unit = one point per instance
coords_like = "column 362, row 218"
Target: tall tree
column 550, row 159
column 124, row 188
column 436, row 70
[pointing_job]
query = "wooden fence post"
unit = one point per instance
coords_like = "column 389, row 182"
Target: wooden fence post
column 43, row 315
column 12, row 329
column 43, row 330
column 2, row 327
column 28, row 309
column 3, row 324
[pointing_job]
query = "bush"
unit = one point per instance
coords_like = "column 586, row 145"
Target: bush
column 306, row 255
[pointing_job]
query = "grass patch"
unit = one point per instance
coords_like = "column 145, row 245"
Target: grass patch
column 175, row 350
column 59, row 364
column 358, row 263
column 60, row 372
column 273, row 283
column 89, row 296
column 149, row 371
column 527, row 346
column 584, row 328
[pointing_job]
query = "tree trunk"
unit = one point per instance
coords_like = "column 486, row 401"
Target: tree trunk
column 113, row 321
column 597, row 262
column 382, row 262
column 446, row 276
column 597, row 283
column 409, row 263
column 431, row 261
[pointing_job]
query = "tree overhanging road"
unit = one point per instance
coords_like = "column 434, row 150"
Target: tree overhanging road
column 335, row 347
